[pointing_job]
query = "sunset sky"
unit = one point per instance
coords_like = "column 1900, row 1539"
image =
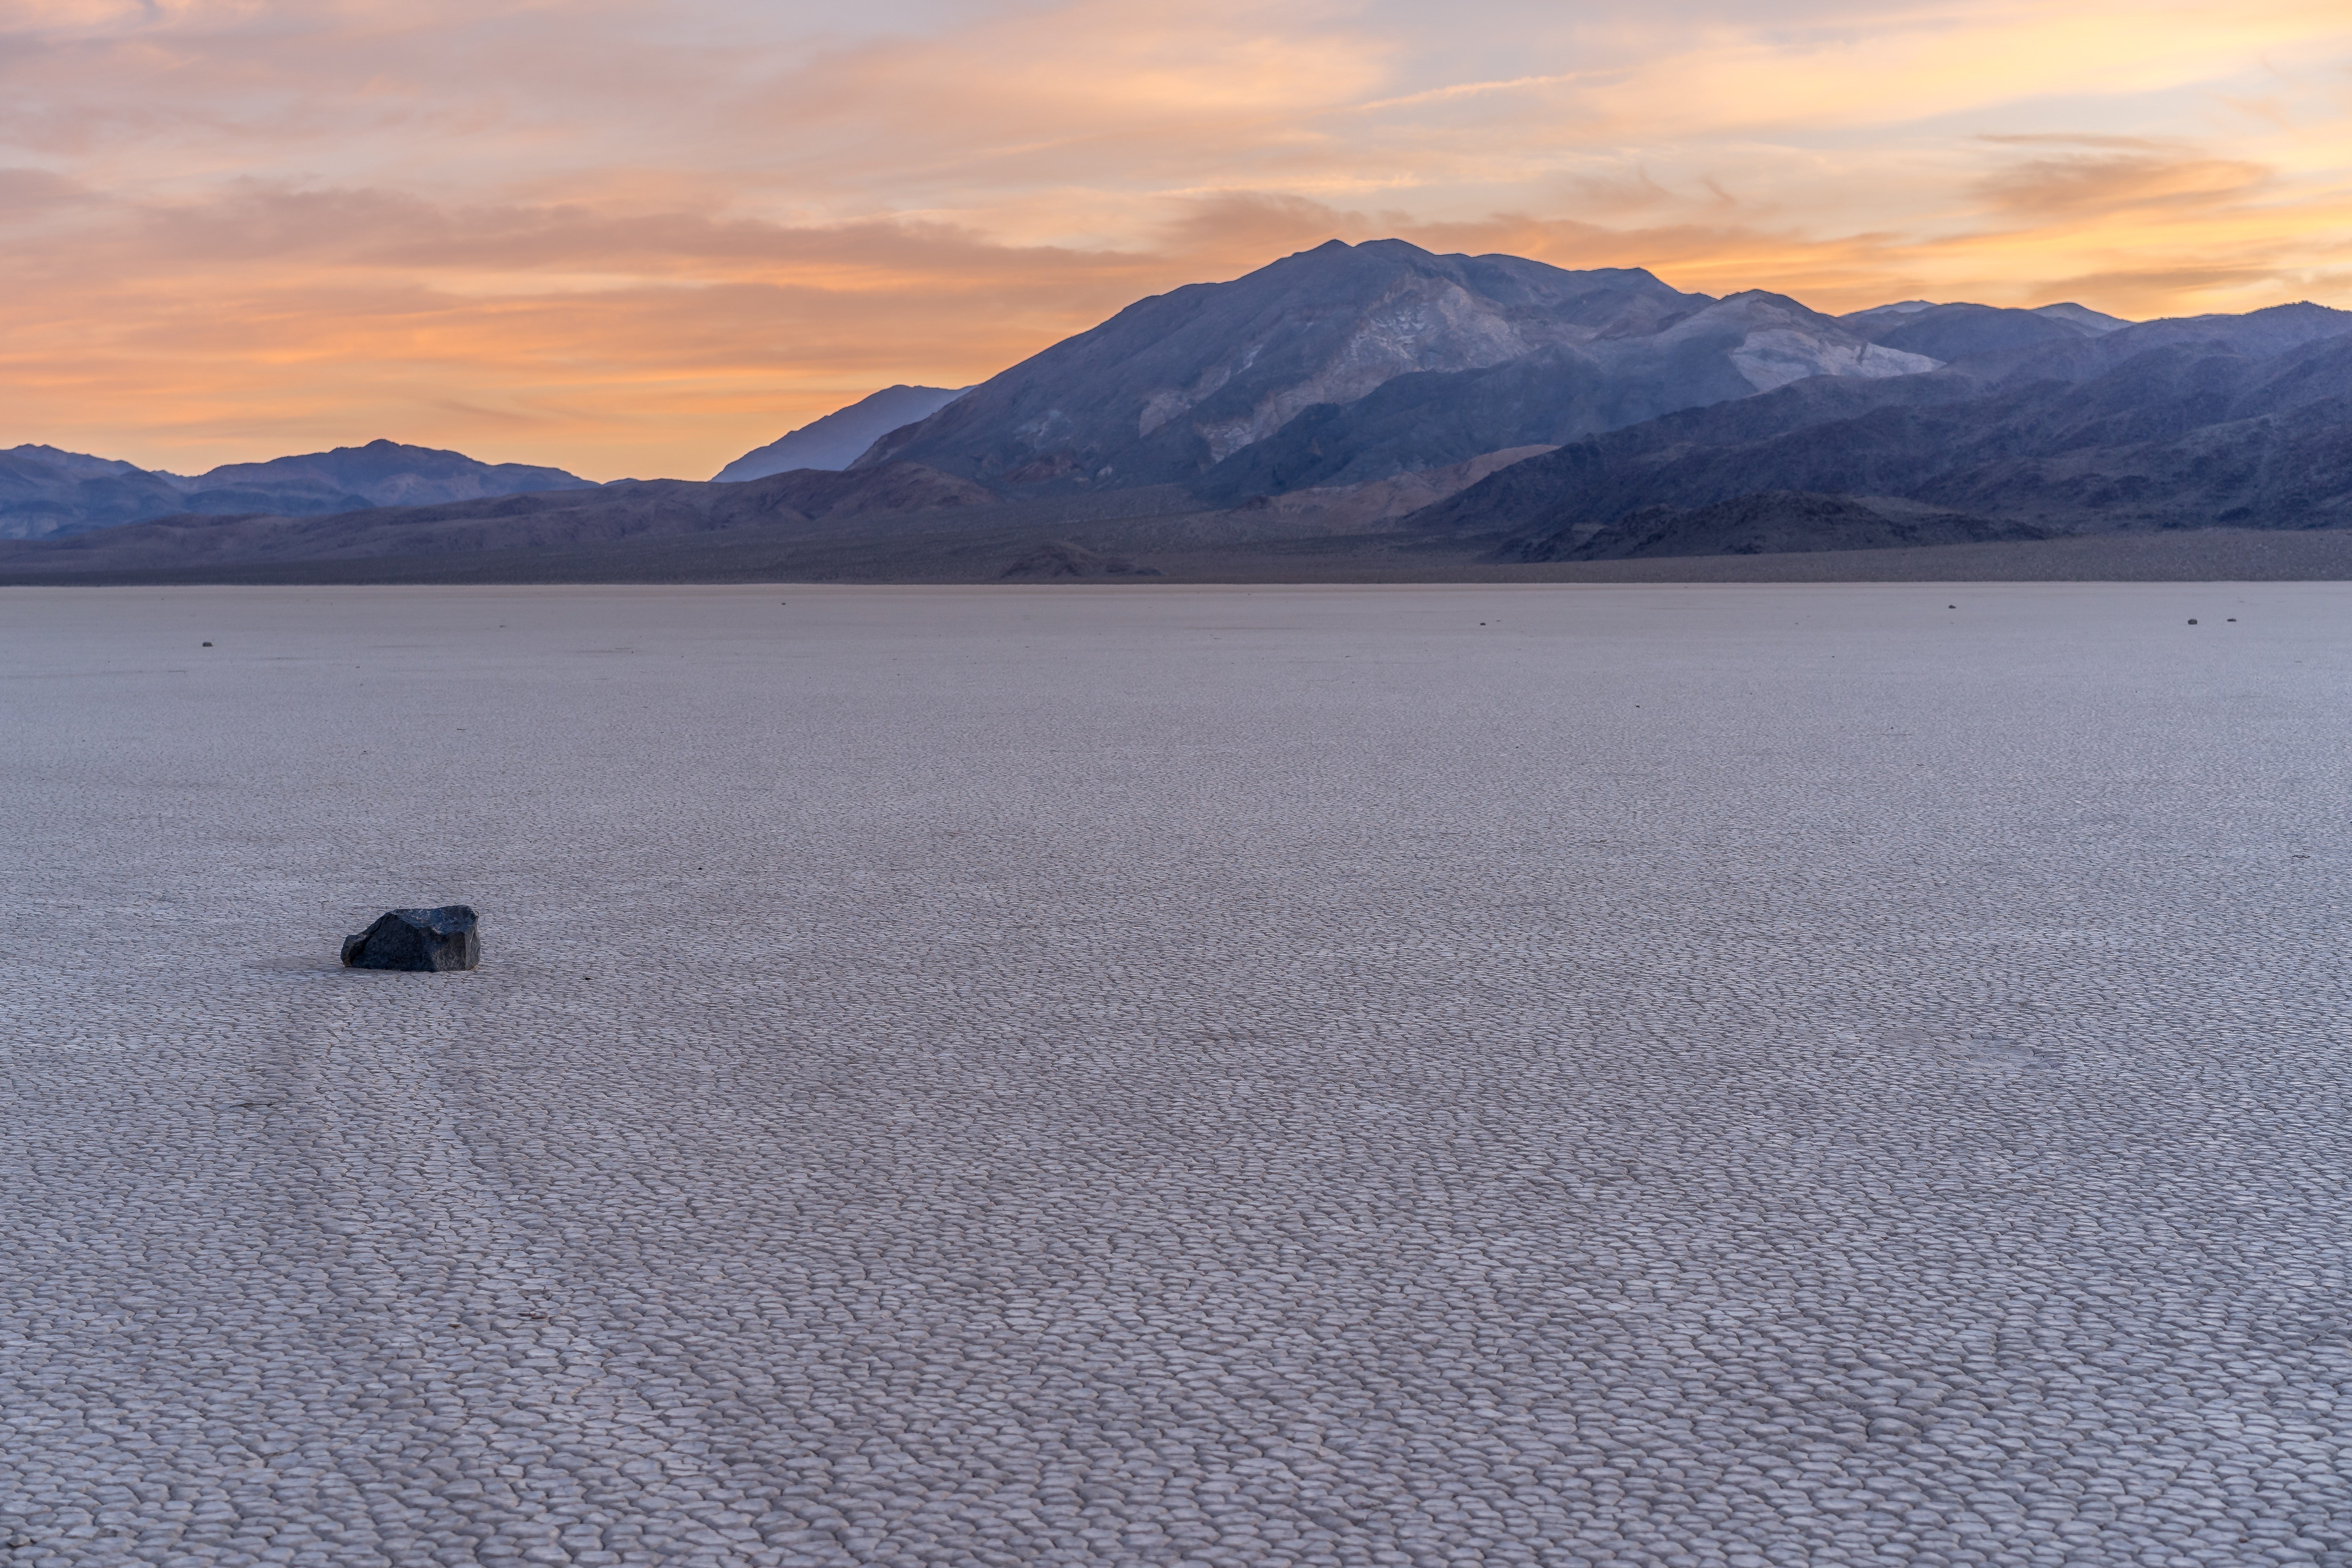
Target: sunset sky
column 630, row 238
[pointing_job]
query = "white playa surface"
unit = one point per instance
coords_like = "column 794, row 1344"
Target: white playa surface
column 1315, row 1076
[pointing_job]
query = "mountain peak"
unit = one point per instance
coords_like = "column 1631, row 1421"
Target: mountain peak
column 1174, row 385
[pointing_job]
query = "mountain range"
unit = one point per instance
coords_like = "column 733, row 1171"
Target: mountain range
column 1470, row 408
column 45, row 493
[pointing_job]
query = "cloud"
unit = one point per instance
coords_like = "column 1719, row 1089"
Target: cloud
column 27, row 192
column 2092, row 184
column 659, row 342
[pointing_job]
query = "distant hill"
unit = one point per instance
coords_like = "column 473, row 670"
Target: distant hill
column 45, row 493
column 381, row 473
column 840, row 438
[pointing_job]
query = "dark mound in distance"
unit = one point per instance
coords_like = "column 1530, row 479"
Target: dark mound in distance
column 1775, row 523
column 1061, row 561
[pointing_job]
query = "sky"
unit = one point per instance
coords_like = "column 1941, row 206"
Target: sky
column 641, row 237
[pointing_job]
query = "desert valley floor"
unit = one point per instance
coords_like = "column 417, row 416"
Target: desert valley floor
column 1576, row 1074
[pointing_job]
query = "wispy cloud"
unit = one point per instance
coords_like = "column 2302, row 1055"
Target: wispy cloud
column 2095, row 184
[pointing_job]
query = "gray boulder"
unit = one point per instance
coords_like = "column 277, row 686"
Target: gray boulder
column 425, row 939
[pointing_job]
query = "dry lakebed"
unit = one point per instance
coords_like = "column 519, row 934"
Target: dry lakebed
column 1166, row 1075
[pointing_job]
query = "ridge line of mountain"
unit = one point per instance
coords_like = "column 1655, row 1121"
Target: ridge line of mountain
column 45, row 492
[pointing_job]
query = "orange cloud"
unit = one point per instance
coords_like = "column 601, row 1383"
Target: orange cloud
column 2093, row 184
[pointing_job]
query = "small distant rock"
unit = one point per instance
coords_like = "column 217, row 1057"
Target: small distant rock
column 426, row 940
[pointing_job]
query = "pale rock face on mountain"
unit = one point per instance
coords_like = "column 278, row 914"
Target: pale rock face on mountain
column 1775, row 356
column 1771, row 340
column 838, row 439
column 1418, row 322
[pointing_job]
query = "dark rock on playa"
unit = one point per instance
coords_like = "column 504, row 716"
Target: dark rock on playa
column 426, row 940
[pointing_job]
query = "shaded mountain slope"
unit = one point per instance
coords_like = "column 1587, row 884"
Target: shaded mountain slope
column 840, row 438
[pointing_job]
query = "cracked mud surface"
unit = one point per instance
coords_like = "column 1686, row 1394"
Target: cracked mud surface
column 1728, row 1075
